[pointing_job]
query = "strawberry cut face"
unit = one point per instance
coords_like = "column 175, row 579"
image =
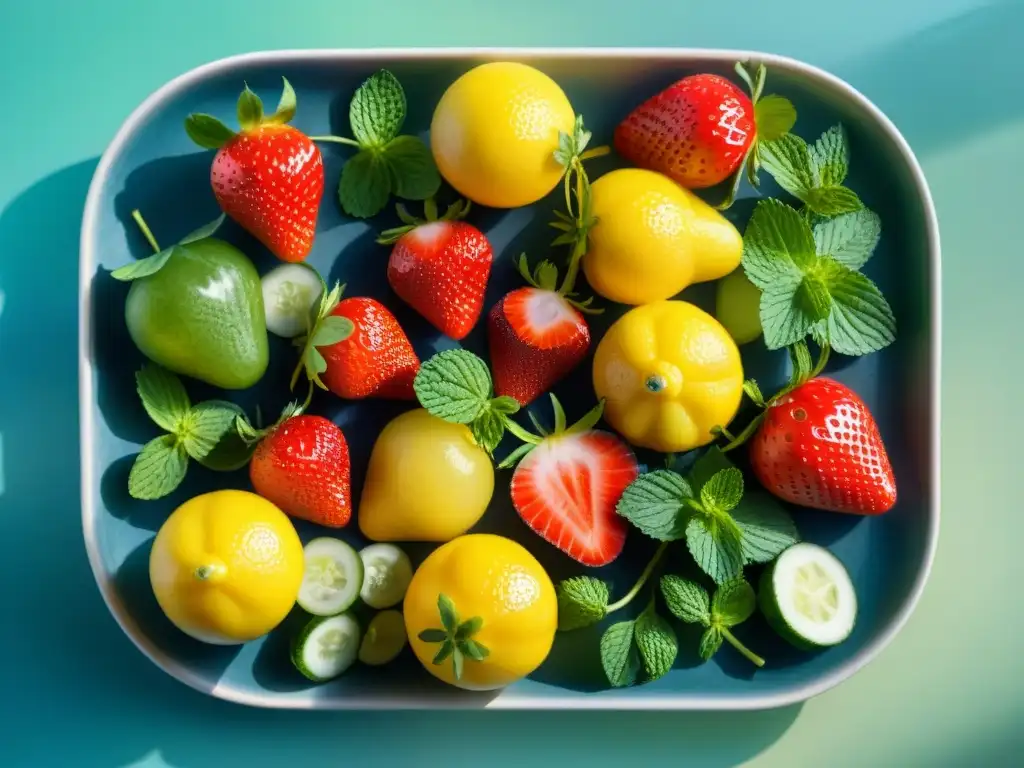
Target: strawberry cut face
column 566, row 490
column 543, row 319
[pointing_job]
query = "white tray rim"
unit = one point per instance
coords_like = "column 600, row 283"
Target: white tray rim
column 505, row 699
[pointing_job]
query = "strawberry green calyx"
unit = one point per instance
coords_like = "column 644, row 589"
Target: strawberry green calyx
column 531, row 441
column 455, row 637
column 455, row 212
column 323, row 329
column 210, row 133
column 545, row 278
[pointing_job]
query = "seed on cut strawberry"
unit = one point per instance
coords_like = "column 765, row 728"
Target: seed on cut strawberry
column 819, row 447
column 440, row 267
column 269, row 177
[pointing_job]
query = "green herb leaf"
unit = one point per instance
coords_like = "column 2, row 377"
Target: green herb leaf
column 250, row 109
column 449, row 616
column 144, row 267
column 733, row 603
column 414, row 174
column 787, row 314
column 488, row 428
column 331, row 330
column 163, row 396
column 753, row 391
column 315, row 364
column 207, row 131
column 831, row 156
column 433, row 636
column 716, row 546
column 687, row 600
column 657, row 643
column 788, row 160
column 378, row 109
column 778, row 243
column 365, row 184
column 505, row 404
column 710, row 642
column 205, row 231
column 458, row 662
column 454, row 385
column 286, row 105
column 474, row 650
column 158, row 469
column 767, row 528
column 468, row 628
column 207, row 425
column 619, row 655
column 832, row 201
column 656, row 504
column 582, row 601
column 723, row 491
column 774, row 116
column 850, row 238
column 861, row 320
column 447, row 649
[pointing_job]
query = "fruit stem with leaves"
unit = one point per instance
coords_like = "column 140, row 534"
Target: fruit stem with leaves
column 646, row 574
column 455, row 637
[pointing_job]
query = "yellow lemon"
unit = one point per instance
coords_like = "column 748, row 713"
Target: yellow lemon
column 226, row 567
column 653, row 238
column 668, row 372
column 501, row 598
column 495, row 131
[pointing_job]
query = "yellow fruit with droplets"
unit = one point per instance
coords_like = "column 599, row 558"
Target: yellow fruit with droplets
column 668, row 372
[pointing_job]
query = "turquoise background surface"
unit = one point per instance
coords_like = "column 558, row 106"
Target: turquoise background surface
column 946, row 693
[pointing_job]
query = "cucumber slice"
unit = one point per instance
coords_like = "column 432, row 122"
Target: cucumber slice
column 808, row 598
column 332, row 577
column 289, row 293
column 326, row 647
column 387, row 573
column 384, row 639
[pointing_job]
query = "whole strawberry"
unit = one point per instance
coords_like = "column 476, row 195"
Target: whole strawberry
column 440, row 267
column 820, row 447
column 302, row 466
column 269, row 177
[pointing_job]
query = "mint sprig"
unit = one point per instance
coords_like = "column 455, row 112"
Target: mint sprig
column 732, row 604
column 646, row 643
column 455, row 637
column 388, row 162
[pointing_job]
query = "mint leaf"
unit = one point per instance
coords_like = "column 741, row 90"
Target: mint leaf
column 710, row 642
column 213, row 438
column 711, row 462
column 774, row 116
column 687, row 600
column 158, row 469
column 454, row 385
column 620, row 657
column 766, row 526
column 505, row 404
column 488, row 429
column 582, row 601
column 813, row 297
column 788, row 159
column 365, row 184
column 331, row 330
column 656, row 504
column 733, row 603
column 163, row 396
column 414, row 175
column 378, row 109
column 786, row 314
column 778, row 243
column 716, row 546
column 144, row 267
column 657, row 643
column 832, row 200
column 831, row 156
column 861, row 320
column 723, row 491
column 849, row 238
column 205, row 231
column 250, row 109
column 207, row 131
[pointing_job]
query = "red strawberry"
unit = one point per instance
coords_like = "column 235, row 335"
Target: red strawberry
column 269, row 177
column 819, row 447
column 302, row 466
column 696, row 131
column 568, row 485
column 536, row 336
column 440, row 267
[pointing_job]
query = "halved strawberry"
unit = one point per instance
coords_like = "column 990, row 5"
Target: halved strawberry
column 568, row 484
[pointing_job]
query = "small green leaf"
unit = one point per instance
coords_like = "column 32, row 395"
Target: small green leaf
column 784, row 316
column 207, row 131
column 546, row 276
column 449, row 616
column 205, row 231
column 458, row 662
column 687, row 600
column 433, row 635
column 144, row 267
column 733, row 603
column 832, row 201
column 315, row 362
column 365, row 184
column 620, row 657
column 286, row 105
column 850, row 238
column 589, row 420
column 723, row 491
column 800, row 359
column 774, row 116
column 468, row 628
column 656, row 504
column 716, row 546
column 488, row 428
column 582, row 601
column 657, row 643
column 211, row 427
column 250, row 109
column 378, row 109
column 454, row 385
column 559, row 413
column 778, row 243
column 163, row 396
column 446, row 650
column 788, row 160
column 710, row 642
column 505, row 404
column 413, row 172
column 861, row 320
column 813, row 298
column 753, row 390
column 474, row 650
column 158, row 469
column 831, row 156
column 331, row 330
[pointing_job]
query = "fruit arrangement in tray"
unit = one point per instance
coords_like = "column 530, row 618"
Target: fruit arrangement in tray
column 656, row 453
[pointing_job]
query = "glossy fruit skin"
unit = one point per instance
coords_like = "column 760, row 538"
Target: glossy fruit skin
column 377, row 360
column 495, row 131
column 201, row 315
column 498, row 580
column 697, row 131
column 738, row 307
column 270, row 180
column 303, row 467
column 669, row 372
column 524, row 365
column 653, row 238
column 427, row 480
column 253, row 558
column 819, row 447
column 441, row 269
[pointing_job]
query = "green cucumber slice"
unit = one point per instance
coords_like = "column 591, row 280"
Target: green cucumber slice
column 332, row 577
column 384, row 639
column 289, row 293
column 386, row 575
column 808, row 598
column 326, row 647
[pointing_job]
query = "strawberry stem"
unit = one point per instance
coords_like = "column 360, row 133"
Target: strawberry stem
column 145, row 230
column 337, row 140
column 644, row 576
column 735, row 643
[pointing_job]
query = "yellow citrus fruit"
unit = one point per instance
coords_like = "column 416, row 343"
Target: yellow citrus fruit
column 501, row 596
column 668, row 372
column 495, row 131
column 653, row 238
column 226, row 567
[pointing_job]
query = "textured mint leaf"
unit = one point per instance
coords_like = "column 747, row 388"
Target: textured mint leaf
column 158, row 469
column 850, row 238
column 861, row 320
column 777, row 244
column 657, row 643
column 813, row 298
column 733, row 603
column 582, row 601
column 488, row 428
column 723, row 490
column 832, row 201
column 212, row 438
column 788, row 160
column 831, row 156
column 163, row 396
column 656, row 504
column 707, row 466
column 766, row 527
column 620, row 657
column 413, row 172
column 716, row 546
column 710, row 642
column 774, row 116
column 784, row 319
column 365, row 184
column 454, row 385
column 687, row 600
column 378, row 109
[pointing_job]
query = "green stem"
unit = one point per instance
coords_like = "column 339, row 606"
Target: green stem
column 746, row 434
column 641, row 581
column 522, row 434
column 590, row 154
column 753, row 657
column 145, row 230
column 337, row 140
column 822, row 360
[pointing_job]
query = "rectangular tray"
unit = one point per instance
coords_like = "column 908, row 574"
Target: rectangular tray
column 152, row 165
